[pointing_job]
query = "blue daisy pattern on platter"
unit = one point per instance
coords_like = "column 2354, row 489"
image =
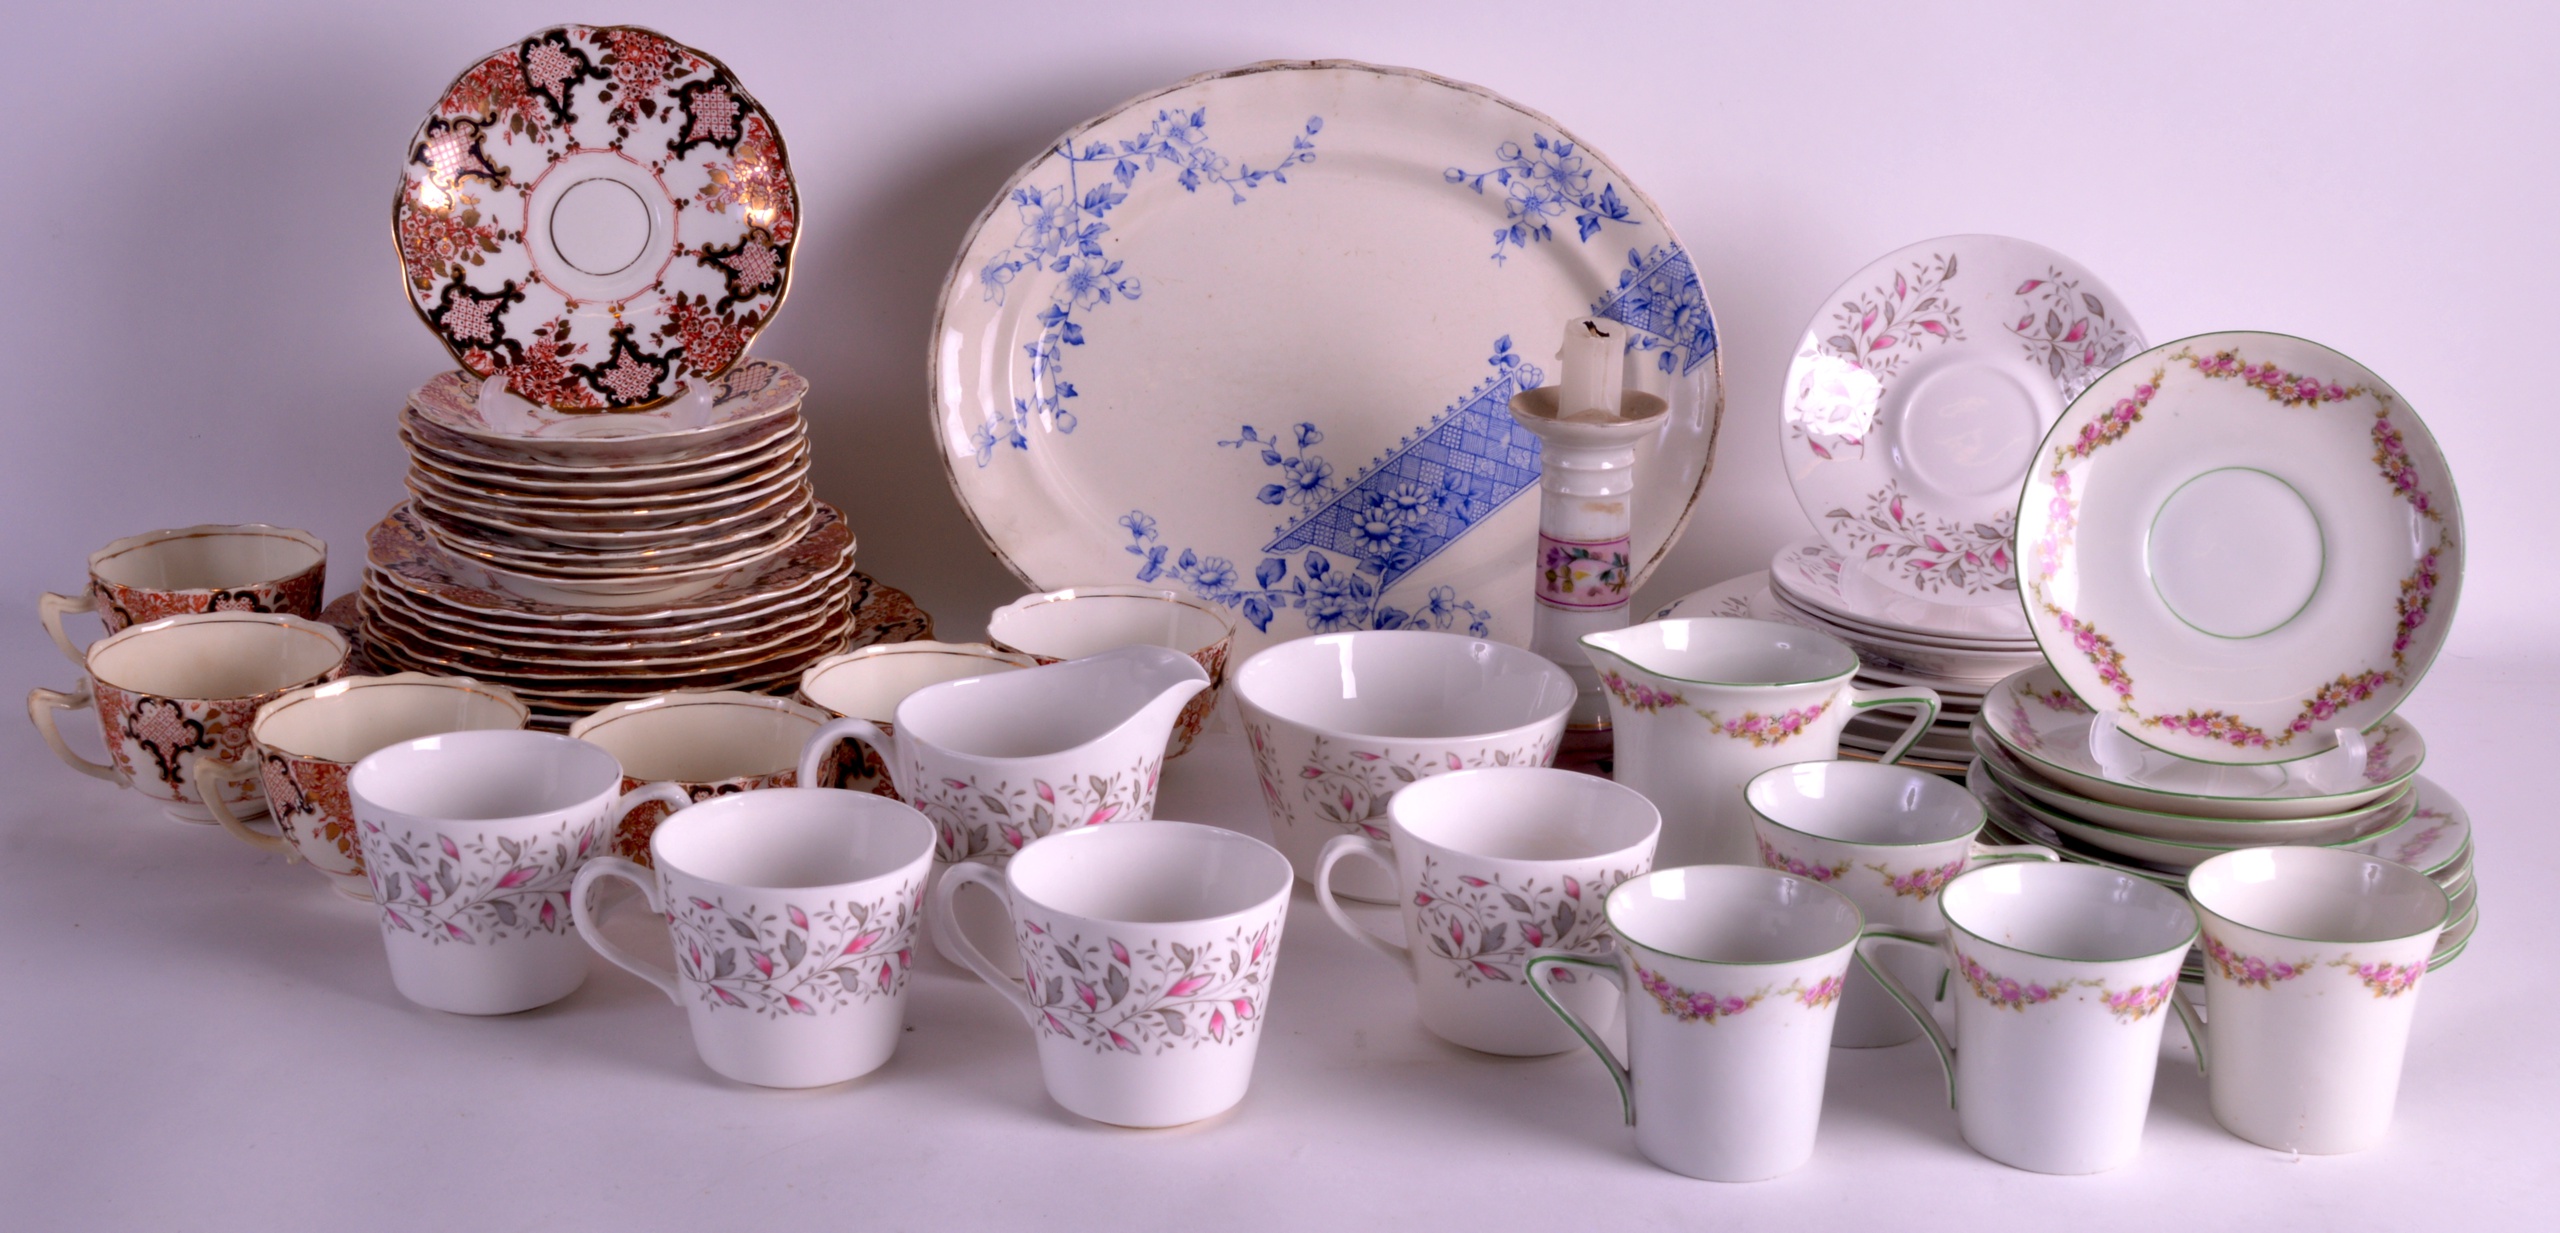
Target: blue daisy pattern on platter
column 1540, row 184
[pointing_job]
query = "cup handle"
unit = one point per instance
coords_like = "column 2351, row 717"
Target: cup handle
column 1981, row 853
column 2193, row 1019
column 51, row 608
column 583, row 915
column 814, row 754
column 1925, row 699
column 210, row 776
column 1911, row 1003
column 1335, row 850
column 947, row 934
column 665, row 792
column 1607, row 969
column 42, row 703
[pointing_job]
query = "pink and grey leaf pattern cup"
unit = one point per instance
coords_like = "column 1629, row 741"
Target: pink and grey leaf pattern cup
column 1347, row 786
column 480, row 888
column 800, row 961
column 977, row 818
column 1155, row 996
column 1484, row 930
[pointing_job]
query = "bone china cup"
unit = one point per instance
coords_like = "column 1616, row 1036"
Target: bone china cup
column 869, row 683
column 2312, row 962
column 709, row 743
column 472, row 840
column 1081, row 621
column 793, row 917
column 1888, row 837
column 1491, row 865
column 186, row 689
column 309, row 739
column 1730, row 978
column 1697, row 707
column 1339, row 722
column 1147, row 950
column 2058, row 1019
column 142, row 578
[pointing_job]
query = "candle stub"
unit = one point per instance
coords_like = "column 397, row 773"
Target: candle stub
column 1594, row 364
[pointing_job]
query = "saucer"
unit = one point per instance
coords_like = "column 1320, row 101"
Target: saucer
column 1918, row 395
column 747, row 410
column 400, row 552
column 2015, row 775
column 1814, row 575
column 2242, row 542
column 2181, row 855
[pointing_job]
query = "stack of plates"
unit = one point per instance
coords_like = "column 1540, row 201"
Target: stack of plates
column 1959, row 652
column 2161, row 815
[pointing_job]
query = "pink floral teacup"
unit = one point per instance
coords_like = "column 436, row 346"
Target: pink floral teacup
column 141, row 578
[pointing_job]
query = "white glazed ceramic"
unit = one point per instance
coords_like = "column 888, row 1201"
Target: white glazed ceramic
column 1808, row 573
column 2063, row 976
column 2313, row 960
column 2240, row 543
column 1909, row 653
column 1081, row 621
column 400, row 552
column 2437, row 840
column 1701, row 705
column 1110, row 412
column 251, row 568
column 2010, row 820
column 711, row 743
column 472, row 841
column 455, row 414
column 871, row 682
column 2034, row 716
column 1917, row 398
column 179, row 694
column 1339, row 722
column 1730, row 980
column 1744, row 596
column 2013, row 773
column 1491, row 865
column 308, row 740
column 1147, row 951
column 2376, row 825
column 1888, row 837
column 792, row 913
column 998, row 761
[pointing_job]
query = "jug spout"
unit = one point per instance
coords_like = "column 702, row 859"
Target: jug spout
column 1157, row 680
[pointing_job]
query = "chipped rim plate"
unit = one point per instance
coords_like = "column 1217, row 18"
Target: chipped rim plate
column 1146, row 368
column 1917, row 398
column 745, row 404
column 1810, row 573
column 2273, row 547
column 2035, row 717
column 597, row 214
column 2021, row 780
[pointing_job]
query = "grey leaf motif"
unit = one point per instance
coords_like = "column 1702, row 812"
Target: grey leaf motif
column 1517, row 903
column 742, row 929
column 1056, row 992
column 1563, row 922
column 794, row 949
column 2052, row 324
column 1493, row 937
column 2053, row 363
column 1502, row 757
column 444, row 876
column 1173, row 1022
column 724, row 963
column 1841, row 342
column 2096, row 308
column 1117, row 983
column 1101, row 788
column 1440, row 947
column 1402, row 773
column 1067, row 957
column 510, row 847
column 405, row 858
column 506, row 911
column 1182, row 955
column 1951, row 268
column 993, row 805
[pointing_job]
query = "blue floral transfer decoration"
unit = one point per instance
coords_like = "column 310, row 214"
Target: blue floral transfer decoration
column 1062, row 230
column 1658, row 296
column 1540, row 185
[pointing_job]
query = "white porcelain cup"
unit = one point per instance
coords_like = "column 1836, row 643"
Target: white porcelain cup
column 2312, row 963
column 792, row 913
column 1339, row 722
column 870, row 683
column 1699, row 706
column 1147, row 951
column 2060, row 1016
column 1888, row 837
column 1730, row 978
column 710, row 743
column 472, row 841
column 1053, row 626
column 1491, row 866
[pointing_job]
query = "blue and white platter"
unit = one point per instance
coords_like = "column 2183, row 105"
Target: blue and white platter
column 1254, row 336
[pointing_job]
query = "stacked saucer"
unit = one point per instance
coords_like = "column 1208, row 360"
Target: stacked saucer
column 2154, row 815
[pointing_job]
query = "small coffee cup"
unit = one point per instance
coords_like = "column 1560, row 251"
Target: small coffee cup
column 2312, row 963
column 868, row 684
column 142, row 578
column 1055, row 626
column 1490, row 867
column 793, row 916
column 1147, row 952
column 709, row 743
column 310, row 738
column 185, row 690
column 1730, row 978
column 472, row 841
column 2062, row 974
column 1888, row 837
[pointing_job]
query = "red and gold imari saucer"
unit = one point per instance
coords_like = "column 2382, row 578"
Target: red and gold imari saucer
column 598, row 213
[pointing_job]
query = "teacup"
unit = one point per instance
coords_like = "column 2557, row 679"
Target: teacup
column 1490, row 866
column 310, row 738
column 1888, row 837
column 472, row 841
column 1147, row 951
column 709, row 743
column 1730, row 979
column 184, row 690
column 871, row 682
column 2062, row 974
column 1699, row 706
column 1060, row 625
column 1339, row 722
column 793, row 916
column 142, row 578
column 2312, row 962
